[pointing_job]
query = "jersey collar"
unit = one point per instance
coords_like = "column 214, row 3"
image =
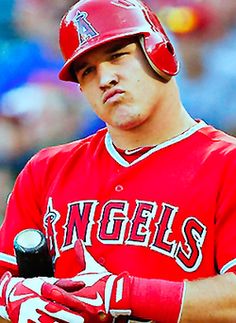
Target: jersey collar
column 120, row 160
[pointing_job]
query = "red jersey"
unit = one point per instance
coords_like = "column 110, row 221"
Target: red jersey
column 170, row 213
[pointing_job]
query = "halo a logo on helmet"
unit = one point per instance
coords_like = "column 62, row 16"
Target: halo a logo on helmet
column 85, row 29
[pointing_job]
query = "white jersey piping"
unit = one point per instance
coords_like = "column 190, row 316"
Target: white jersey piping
column 7, row 258
column 115, row 155
column 228, row 266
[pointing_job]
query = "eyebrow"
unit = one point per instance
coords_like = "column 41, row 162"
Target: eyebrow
column 114, row 48
column 77, row 67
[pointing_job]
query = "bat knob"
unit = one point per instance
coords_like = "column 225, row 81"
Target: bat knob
column 32, row 254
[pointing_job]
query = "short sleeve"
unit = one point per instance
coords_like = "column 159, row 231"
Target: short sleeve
column 226, row 218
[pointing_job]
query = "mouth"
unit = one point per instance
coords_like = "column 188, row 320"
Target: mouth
column 111, row 96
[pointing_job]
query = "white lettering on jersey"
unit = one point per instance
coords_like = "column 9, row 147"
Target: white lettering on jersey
column 140, row 232
column 149, row 225
column 79, row 222
column 112, row 223
column 163, row 230
column 194, row 233
column 49, row 222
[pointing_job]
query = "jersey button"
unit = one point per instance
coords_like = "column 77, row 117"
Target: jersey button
column 119, row 188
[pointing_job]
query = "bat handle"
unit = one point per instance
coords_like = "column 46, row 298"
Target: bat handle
column 33, row 258
column 32, row 254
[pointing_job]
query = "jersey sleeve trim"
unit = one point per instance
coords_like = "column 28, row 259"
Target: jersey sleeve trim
column 7, row 258
column 228, row 266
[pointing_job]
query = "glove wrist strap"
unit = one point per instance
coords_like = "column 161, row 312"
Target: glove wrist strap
column 156, row 299
column 151, row 299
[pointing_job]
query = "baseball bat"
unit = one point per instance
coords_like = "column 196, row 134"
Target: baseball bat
column 32, row 254
column 33, row 257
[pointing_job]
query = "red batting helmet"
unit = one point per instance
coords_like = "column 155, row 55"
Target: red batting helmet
column 90, row 23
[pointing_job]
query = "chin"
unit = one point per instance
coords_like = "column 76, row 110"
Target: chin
column 128, row 125
column 124, row 120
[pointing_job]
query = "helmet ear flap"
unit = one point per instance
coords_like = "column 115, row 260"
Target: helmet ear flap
column 161, row 55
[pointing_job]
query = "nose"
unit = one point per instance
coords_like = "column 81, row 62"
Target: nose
column 107, row 76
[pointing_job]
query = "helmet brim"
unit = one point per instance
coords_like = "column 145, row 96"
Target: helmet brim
column 67, row 73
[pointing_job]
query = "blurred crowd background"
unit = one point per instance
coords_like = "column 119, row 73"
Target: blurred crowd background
column 38, row 110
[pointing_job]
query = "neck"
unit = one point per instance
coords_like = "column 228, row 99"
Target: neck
column 169, row 119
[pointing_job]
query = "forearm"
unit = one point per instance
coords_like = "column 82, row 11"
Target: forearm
column 210, row 300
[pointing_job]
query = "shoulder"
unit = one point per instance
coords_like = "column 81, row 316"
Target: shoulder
column 218, row 151
column 218, row 141
column 57, row 161
column 76, row 148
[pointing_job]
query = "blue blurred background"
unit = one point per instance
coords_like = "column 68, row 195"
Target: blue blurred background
column 38, row 110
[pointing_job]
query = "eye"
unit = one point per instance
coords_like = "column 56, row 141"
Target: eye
column 87, row 71
column 118, row 55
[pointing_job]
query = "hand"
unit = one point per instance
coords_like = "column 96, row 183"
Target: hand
column 21, row 300
column 104, row 295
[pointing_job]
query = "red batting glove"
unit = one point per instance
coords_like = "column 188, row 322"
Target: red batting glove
column 21, row 301
column 92, row 301
column 105, row 295
column 100, row 295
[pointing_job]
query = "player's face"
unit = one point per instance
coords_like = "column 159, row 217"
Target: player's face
column 119, row 84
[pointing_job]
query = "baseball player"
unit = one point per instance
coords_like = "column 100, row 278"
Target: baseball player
column 139, row 217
